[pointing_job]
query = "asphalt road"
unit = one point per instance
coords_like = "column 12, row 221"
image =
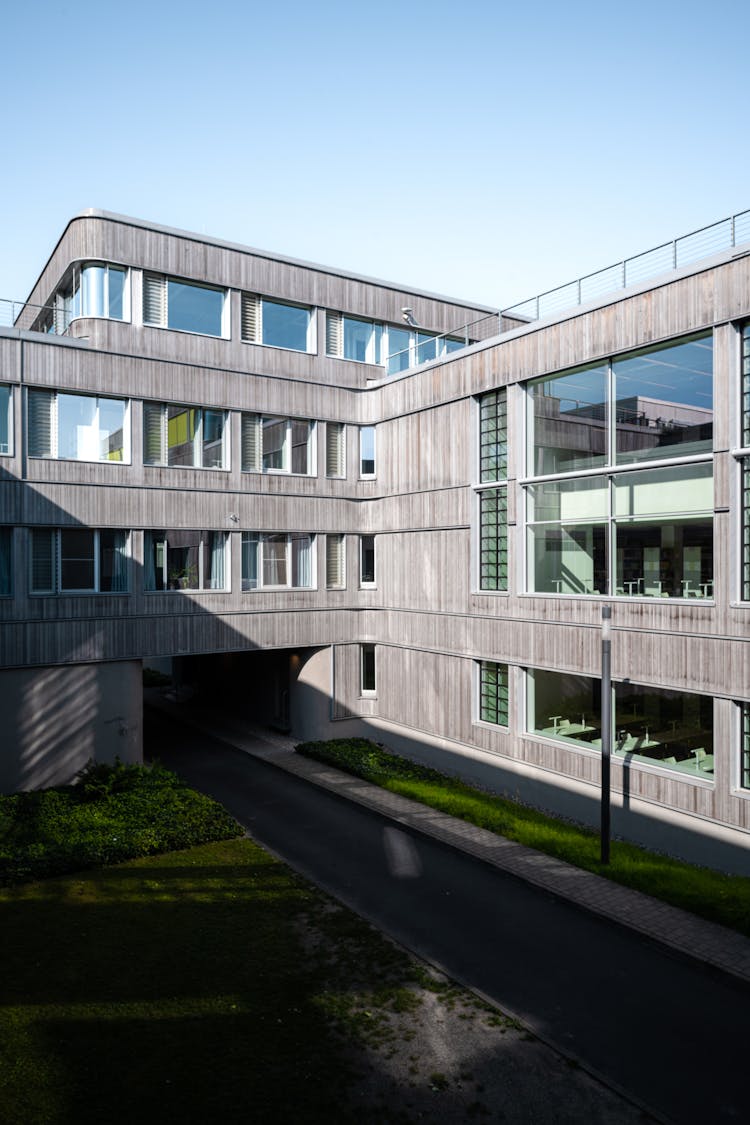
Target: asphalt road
column 671, row 1032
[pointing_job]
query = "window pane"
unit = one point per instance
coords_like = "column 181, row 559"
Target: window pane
column 367, row 451
column 667, row 728
column 112, row 413
column 183, row 551
column 43, row 550
column 493, row 437
column 565, row 707
column 93, row 301
column 684, row 488
column 493, row 539
column 5, row 420
column 250, row 547
column 357, row 337
column 274, row 443
column 367, row 560
column 493, row 693
column 301, row 561
column 746, row 530
column 77, row 428
column 664, row 402
column 569, row 500
column 77, row 559
column 116, row 293
column 568, row 559
column 569, row 421
column 274, row 560
column 368, row 667
column 745, row 762
column 665, row 559
column 427, row 347
column 113, row 574
column 285, row 326
column 399, row 340
column 193, row 308
column 181, row 427
column 213, row 439
column 301, row 438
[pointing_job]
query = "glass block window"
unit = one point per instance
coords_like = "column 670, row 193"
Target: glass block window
column 493, row 436
column 493, row 539
column 745, row 760
column 493, row 693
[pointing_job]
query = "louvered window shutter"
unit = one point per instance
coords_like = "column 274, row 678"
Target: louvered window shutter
column 335, row 449
column 335, row 561
column 154, row 300
column 334, row 334
column 154, row 433
column 43, row 543
column 42, row 424
column 251, row 326
column 251, row 443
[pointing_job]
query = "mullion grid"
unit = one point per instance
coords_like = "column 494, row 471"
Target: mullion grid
column 493, row 693
column 493, row 539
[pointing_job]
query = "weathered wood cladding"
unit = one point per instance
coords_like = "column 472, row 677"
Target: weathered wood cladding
column 126, row 242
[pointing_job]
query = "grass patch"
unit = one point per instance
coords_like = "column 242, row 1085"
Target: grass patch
column 716, row 897
column 211, row 984
column 115, row 812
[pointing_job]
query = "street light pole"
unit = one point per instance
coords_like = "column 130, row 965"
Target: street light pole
column 606, row 730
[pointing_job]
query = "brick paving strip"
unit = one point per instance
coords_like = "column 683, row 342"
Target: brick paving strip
column 689, row 935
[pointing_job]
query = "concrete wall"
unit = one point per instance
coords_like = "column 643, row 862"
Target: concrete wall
column 57, row 718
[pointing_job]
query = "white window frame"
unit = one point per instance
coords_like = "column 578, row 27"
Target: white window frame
column 160, row 281
column 368, row 692
column 38, row 393
column 163, row 461
column 56, row 588
column 367, row 585
column 258, row 420
column 10, row 417
column 362, row 474
column 201, row 588
column 260, row 539
column 251, row 322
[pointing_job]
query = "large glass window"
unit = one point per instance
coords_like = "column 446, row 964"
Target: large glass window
column 183, row 305
column 278, row 445
column 651, row 725
column 186, row 560
column 6, row 419
column 78, row 427
column 188, row 436
column 645, row 533
column 278, row 560
column 103, row 291
column 79, row 560
column 493, row 693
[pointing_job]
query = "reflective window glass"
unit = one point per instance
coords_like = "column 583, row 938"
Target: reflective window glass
column 399, row 347
column 285, row 326
column 568, row 559
column 90, row 429
column 569, row 421
column 5, row 420
column 565, row 707
column 357, row 338
column 682, row 488
column 182, row 423
column 77, row 566
column 665, row 558
column 194, row 308
column 664, row 728
column 664, row 401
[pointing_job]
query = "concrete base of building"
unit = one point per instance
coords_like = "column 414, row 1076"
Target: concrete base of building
column 56, row 719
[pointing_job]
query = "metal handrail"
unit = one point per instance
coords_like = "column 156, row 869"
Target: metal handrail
column 10, row 310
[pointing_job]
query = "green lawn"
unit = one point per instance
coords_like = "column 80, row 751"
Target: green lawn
column 719, row 898
column 208, row 985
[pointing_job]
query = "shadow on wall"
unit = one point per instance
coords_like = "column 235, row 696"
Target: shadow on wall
column 71, row 665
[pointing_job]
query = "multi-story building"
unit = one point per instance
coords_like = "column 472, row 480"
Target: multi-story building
column 345, row 506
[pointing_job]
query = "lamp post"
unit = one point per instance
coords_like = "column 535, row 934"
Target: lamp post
column 606, row 730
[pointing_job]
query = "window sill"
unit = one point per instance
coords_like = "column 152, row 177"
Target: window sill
column 278, row 347
column 483, row 724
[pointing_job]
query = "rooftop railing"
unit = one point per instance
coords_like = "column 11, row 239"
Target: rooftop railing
column 11, row 310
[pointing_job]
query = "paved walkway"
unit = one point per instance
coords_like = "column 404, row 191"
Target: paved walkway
column 691, row 936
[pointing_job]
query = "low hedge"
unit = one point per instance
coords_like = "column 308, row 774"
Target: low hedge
column 113, row 813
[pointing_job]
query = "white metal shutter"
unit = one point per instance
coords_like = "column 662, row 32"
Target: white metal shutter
column 250, row 326
column 42, row 441
column 335, row 561
column 335, row 449
column 334, row 334
column 251, row 443
column 154, row 433
column 154, row 300
column 43, row 552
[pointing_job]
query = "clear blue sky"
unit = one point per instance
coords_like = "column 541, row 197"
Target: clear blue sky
column 483, row 150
